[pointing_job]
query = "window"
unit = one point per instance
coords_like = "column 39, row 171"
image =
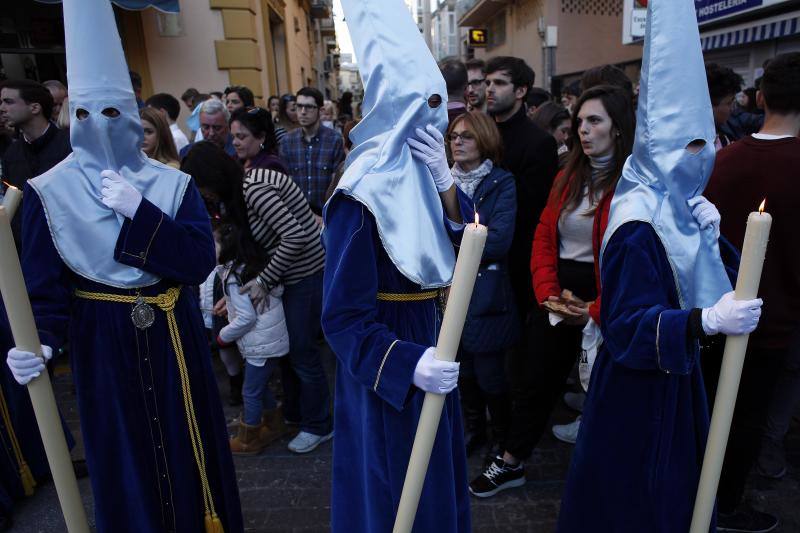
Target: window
column 497, row 30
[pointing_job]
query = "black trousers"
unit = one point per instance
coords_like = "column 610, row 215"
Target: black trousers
column 543, row 362
column 762, row 371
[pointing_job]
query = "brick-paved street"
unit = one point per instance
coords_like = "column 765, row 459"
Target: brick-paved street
column 281, row 491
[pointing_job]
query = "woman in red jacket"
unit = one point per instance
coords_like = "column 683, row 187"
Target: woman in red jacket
column 565, row 251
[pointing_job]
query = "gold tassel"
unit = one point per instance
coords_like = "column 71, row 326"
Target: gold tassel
column 213, row 524
column 28, row 482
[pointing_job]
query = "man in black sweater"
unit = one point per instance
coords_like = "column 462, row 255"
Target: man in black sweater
column 40, row 145
column 530, row 153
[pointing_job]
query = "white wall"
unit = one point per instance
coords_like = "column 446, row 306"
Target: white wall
column 177, row 63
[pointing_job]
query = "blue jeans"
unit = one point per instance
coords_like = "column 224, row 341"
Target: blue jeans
column 305, row 386
column 256, row 393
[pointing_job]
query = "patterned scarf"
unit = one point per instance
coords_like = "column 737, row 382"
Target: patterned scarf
column 469, row 181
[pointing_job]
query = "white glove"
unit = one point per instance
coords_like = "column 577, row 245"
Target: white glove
column 120, row 195
column 26, row 366
column 732, row 317
column 705, row 213
column 434, row 375
column 429, row 148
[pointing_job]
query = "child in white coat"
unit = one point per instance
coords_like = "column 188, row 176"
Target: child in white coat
column 260, row 335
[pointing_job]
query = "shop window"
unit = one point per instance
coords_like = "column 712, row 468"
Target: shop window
column 497, row 30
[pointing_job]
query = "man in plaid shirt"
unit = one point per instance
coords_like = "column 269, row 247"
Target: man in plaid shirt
column 313, row 152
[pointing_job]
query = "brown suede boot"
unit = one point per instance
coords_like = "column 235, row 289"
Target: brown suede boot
column 273, row 426
column 248, row 440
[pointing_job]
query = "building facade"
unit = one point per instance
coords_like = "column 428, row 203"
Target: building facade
column 444, row 30
column 270, row 46
column 745, row 40
column 559, row 39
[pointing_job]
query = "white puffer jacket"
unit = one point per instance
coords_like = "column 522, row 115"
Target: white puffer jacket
column 258, row 336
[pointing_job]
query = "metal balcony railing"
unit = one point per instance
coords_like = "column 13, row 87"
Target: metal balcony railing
column 321, row 9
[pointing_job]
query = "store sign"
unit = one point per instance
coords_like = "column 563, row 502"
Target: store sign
column 634, row 15
column 708, row 10
column 478, row 37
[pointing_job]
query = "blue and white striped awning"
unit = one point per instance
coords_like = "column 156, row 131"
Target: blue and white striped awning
column 755, row 32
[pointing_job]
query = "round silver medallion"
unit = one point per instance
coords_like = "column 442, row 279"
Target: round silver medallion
column 142, row 315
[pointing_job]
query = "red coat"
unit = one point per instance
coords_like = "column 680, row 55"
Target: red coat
column 544, row 257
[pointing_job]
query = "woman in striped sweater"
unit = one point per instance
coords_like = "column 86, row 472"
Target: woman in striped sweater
column 281, row 220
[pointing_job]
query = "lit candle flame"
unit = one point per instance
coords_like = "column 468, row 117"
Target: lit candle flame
column 762, row 206
column 477, row 219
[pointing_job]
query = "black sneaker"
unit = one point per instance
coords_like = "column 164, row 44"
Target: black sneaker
column 498, row 476
column 745, row 519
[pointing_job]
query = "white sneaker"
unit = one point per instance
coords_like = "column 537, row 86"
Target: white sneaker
column 306, row 442
column 574, row 400
column 568, row 432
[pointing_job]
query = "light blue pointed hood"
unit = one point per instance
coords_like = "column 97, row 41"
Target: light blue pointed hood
column 661, row 175
column 399, row 75
column 84, row 230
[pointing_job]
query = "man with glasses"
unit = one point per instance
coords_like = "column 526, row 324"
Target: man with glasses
column 214, row 119
column 313, row 152
column 476, row 85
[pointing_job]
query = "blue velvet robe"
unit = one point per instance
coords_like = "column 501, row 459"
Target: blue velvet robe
column 138, row 450
column 377, row 406
column 637, row 461
column 23, row 421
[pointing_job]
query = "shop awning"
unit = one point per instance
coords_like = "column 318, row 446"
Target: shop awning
column 752, row 32
column 169, row 6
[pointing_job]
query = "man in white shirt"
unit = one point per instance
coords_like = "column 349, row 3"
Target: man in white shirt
column 169, row 106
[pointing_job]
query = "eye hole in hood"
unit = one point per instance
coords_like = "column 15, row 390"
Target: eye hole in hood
column 434, row 101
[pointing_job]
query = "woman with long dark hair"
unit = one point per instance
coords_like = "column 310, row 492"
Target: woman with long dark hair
column 565, row 250
column 281, row 221
column 254, row 139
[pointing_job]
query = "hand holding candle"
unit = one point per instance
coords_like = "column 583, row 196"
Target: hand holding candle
column 26, row 337
column 469, row 260
column 753, row 253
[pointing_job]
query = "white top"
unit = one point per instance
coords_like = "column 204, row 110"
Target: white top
column 575, row 227
column 770, row 137
column 575, row 233
column 178, row 136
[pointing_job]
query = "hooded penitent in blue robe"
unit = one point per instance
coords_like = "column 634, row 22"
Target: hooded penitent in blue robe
column 141, row 460
column 153, row 427
column 385, row 232
column 378, row 344
column 637, row 461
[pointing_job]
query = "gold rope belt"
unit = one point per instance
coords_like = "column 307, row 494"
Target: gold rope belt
column 166, row 302
column 408, row 297
column 25, row 475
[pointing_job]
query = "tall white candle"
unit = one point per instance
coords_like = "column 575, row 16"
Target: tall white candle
column 469, row 260
column 11, row 200
column 26, row 337
column 754, row 251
